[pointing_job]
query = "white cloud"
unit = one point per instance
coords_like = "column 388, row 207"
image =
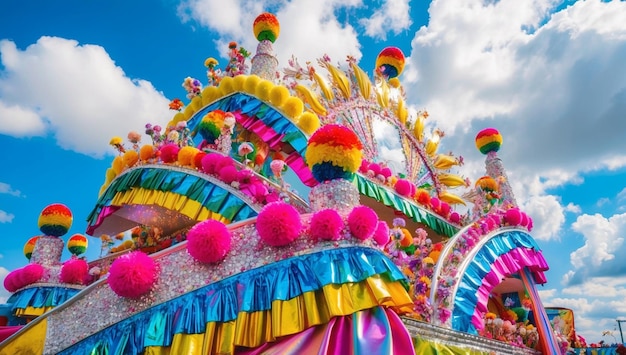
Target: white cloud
column 75, row 92
column 621, row 196
column 603, row 241
column 573, row 208
column 392, row 15
column 308, row 28
column 7, row 189
column 547, row 83
column 6, row 217
column 20, row 121
column 4, row 294
column 547, row 214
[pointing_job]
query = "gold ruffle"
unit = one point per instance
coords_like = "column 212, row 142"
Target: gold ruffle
column 290, row 317
column 172, row 201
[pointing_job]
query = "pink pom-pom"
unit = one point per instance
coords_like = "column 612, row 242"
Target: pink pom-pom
column 258, row 190
column 223, row 162
column 513, row 217
column 491, row 225
column 209, row 161
column 228, row 174
column 381, row 235
column 403, row 187
column 530, row 224
column 278, row 224
column 386, row 172
column 209, row 241
column 74, row 271
column 455, row 217
column 169, row 153
column 524, row 221
column 497, row 219
column 362, row 222
column 435, row 203
column 132, row 275
column 364, row 166
column 29, row 274
column 9, row 281
column 326, row 224
column 375, row 168
column 444, row 209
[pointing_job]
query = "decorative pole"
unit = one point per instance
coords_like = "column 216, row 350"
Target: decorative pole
column 266, row 30
column 488, row 142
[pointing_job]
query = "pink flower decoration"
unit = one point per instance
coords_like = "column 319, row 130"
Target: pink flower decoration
column 29, row 274
column 245, row 148
column 74, row 271
column 228, row 174
column 403, row 187
column 386, row 172
column 364, row 166
column 435, row 203
column 209, row 241
column 455, row 217
column 326, row 224
column 444, row 209
column 277, row 167
column 209, row 162
column 223, row 161
column 381, row 235
column 375, row 168
column 132, row 275
column 278, row 224
column 513, row 216
column 169, row 153
column 362, row 222
column 524, row 221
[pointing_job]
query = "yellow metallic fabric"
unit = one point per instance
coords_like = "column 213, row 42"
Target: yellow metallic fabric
column 32, row 341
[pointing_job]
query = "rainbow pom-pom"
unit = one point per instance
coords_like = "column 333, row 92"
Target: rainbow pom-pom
column 334, row 152
column 55, row 220
column 266, row 27
column 390, row 61
column 29, row 247
column 487, row 183
column 211, row 125
column 77, row 244
column 488, row 140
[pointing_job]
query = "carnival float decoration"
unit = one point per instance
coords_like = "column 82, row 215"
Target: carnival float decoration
column 207, row 248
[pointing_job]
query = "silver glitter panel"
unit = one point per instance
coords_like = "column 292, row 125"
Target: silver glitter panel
column 339, row 194
column 264, row 63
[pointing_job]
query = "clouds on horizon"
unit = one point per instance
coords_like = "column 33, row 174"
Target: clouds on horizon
column 58, row 87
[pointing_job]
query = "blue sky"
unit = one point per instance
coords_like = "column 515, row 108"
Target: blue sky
column 549, row 75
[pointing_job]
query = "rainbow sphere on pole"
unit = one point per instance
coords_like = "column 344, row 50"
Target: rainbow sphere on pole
column 390, row 61
column 55, row 220
column 266, row 27
column 77, row 244
column 488, row 140
column 30, row 246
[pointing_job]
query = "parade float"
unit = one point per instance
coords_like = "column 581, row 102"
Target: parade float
column 294, row 209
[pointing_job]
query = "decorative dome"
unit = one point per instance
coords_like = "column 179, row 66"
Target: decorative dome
column 488, row 140
column 266, row 27
column 390, row 62
column 55, row 220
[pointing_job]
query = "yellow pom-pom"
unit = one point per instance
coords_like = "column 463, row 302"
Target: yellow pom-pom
column 110, row 175
column 196, row 103
column 293, row 107
column 394, row 82
column 250, row 85
column 118, row 165
column 178, row 117
column 309, row 122
column 238, row 83
column 147, row 152
column 264, row 89
column 209, row 94
column 188, row 112
column 130, row 158
column 186, row 155
column 226, row 86
column 279, row 95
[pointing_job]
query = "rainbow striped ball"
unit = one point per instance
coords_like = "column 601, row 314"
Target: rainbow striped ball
column 77, row 244
column 391, row 61
column 266, row 27
column 29, row 247
column 488, row 140
column 333, row 152
column 55, row 220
